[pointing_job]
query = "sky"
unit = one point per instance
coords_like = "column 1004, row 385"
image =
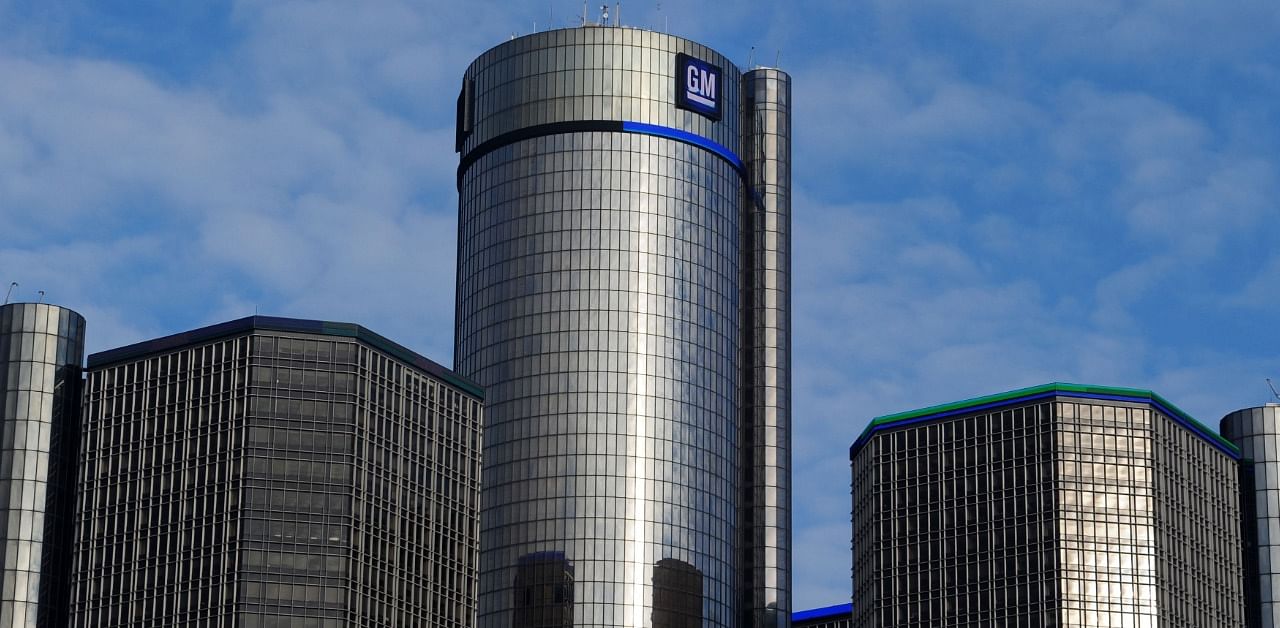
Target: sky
column 988, row 195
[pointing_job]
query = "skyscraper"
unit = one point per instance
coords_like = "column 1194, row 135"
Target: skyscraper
column 41, row 354
column 1057, row 505
column 1257, row 432
column 271, row 472
column 623, row 297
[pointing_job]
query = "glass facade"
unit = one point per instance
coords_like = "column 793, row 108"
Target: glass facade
column 41, row 353
column 1056, row 506
column 1257, row 432
column 623, row 297
column 277, row 473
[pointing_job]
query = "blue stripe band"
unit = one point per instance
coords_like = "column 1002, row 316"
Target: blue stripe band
column 607, row 126
column 683, row 136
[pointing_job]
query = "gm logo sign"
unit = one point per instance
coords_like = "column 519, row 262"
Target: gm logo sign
column 698, row 86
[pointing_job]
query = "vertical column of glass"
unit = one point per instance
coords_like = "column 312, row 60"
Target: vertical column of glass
column 766, row 439
column 41, row 351
column 1106, row 532
column 1256, row 431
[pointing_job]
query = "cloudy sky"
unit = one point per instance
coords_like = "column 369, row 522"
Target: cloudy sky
column 989, row 195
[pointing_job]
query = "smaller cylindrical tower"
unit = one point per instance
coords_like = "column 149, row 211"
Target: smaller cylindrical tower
column 1256, row 431
column 41, row 353
column 766, row 448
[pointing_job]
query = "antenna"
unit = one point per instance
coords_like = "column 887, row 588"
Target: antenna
column 751, row 59
column 617, row 14
column 777, row 60
column 604, row 15
column 1273, row 389
column 10, row 292
column 41, row 299
column 584, row 12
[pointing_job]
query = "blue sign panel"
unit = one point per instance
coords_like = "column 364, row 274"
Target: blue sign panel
column 698, row 86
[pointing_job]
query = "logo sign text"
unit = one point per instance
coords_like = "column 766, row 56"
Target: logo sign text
column 698, row 86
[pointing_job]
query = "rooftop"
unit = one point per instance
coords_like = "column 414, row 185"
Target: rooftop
column 1044, row 391
column 839, row 610
column 288, row 325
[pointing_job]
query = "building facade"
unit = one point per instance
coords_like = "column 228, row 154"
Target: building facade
column 271, row 472
column 1256, row 431
column 1058, row 505
column 41, row 355
column 623, row 297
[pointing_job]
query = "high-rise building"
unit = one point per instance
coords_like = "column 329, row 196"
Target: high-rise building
column 1058, row 505
column 623, row 297
column 272, row 472
column 1256, row 431
column 41, row 355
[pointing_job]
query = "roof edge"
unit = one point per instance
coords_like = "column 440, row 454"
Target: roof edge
column 822, row 613
column 1111, row 393
column 289, row 325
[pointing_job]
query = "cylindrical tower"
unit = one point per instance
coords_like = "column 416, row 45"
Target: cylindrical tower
column 1256, row 431
column 41, row 354
column 600, row 271
column 766, row 439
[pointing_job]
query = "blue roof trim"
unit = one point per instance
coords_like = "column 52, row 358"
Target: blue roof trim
column 683, row 136
column 820, row 613
column 1176, row 416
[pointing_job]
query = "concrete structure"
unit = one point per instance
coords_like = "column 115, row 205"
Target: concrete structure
column 41, row 354
column 274, row 472
column 623, row 296
column 1058, row 505
column 1256, row 431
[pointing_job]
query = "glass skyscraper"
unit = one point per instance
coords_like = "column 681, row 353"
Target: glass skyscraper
column 1257, row 432
column 41, row 354
column 1058, row 505
column 623, row 297
column 272, row 473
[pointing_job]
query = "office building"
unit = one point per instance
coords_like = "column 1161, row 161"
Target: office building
column 623, row 297
column 1058, row 505
column 838, row 616
column 1256, row 431
column 272, row 472
column 41, row 354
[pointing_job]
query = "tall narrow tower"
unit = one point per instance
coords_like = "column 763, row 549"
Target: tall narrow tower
column 41, row 353
column 623, row 297
column 1257, row 432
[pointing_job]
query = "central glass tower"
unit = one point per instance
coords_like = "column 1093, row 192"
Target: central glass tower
column 623, row 297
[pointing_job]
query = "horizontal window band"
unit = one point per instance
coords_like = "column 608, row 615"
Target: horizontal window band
column 608, row 126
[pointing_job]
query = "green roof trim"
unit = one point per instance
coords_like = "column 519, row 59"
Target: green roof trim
column 1113, row 393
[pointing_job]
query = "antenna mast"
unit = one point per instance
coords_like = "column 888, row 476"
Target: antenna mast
column 10, row 293
column 1273, row 389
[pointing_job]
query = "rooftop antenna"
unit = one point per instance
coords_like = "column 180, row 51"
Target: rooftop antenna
column 604, row 15
column 617, row 14
column 10, row 292
column 41, row 299
column 1273, row 389
column 777, row 60
column 751, row 59
column 584, row 12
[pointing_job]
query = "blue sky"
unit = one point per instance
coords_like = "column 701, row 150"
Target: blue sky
column 988, row 195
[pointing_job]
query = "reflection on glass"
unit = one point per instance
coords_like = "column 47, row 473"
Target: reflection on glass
column 677, row 595
column 543, row 591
